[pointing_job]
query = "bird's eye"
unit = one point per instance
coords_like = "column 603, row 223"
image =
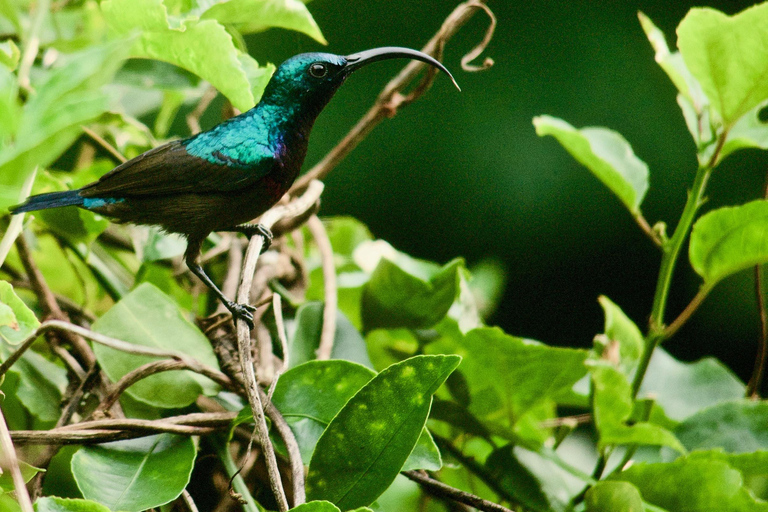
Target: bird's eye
column 318, row 70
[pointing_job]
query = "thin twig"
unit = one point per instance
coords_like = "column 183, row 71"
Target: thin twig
column 277, row 309
column 390, row 99
column 104, row 144
column 755, row 382
column 440, row 489
column 330, row 296
column 292, row 447
column 188, row 501
column 687, row 312
column 9, row 462
column 648, row 230
column 32, row 44
column 304, row 202
column 193, row 118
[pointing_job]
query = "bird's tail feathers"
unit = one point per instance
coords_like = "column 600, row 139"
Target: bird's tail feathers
column 50, row 200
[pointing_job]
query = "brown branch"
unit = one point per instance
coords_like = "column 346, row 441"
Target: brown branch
column 104, row 144
column 391, row 98
column 647, row 229
column 446, row 491
column 330, row 296
column 299, row 205
column 687, row 312
column 9, row 462
column 193, row 118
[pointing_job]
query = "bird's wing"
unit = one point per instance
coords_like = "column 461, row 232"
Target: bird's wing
column 170, row 169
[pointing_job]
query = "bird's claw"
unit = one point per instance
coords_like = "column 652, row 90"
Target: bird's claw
column 242, row 311
column 266, row 234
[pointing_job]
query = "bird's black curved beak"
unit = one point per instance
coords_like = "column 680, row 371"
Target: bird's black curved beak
column 360, row 59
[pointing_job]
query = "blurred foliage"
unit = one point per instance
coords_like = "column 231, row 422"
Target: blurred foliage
column 417, row 379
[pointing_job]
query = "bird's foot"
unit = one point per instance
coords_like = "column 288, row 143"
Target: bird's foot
column 242, row 311
column 257, row 229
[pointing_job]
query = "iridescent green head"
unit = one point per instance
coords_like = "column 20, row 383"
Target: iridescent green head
column 309, row 80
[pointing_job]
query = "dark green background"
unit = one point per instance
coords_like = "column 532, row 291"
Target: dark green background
column 464, row 174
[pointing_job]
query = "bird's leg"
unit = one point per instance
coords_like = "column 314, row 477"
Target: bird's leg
column 244, row 311
column 255, row 229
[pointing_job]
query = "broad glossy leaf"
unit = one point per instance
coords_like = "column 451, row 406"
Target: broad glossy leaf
column 683, row 389
column 606, row 154
column 619, row 328
column 41, row 385
column 406, row 292
column 310, row 395
column 147, row 316
column 607, row 496
column 17, row 321
column 201, row 46
column 729, row 239
column 736, row 427
column 257, row 15
column 54, row 504
column 692, row 484
column 728, row 55
column 612, row 404
column 348, row 344
column 365, row 446
column 137, row 474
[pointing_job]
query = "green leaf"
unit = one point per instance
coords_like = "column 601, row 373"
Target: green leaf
column 518, row 481
column 152, row 244
column 316, row 506
column 41, row 385
column 425, row 455
column 17, row 321
column 728, row 55
column 405, row 292
column 750, row 131
column 311, row 394
column 508, row 376
column 683, row 389
column 606, row 154
column 673, row 65
column 27, row 472
column 727, row 240
column 137, row 474
column 148, row 317
column 365, row 446
column 609, row 496
column 736, row 427
column 620, row 329
column 348, row 344
column 9, row 54
column 692, row 484
column 54, row 504
column 258, row 15
column 201, row 46
column 612, row 405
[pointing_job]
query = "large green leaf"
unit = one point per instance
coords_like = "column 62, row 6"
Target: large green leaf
column 406, row 292
column 610, row 496
column 17, row 321
column 606, row 154
column 729, row 239
column 54, row 504
column 693, row 484
column 257, row 15
column 612, row 404
column 683, row 389
column 41, row 384
column 365, row 446
column 728, row 55
column 201, row 46
column 137, row 474
column 316, row 506
column 148, row 317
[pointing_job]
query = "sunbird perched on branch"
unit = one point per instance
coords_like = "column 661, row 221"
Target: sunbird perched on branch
column 221, row 179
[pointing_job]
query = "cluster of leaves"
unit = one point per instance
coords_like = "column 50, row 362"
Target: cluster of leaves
column 498, row 421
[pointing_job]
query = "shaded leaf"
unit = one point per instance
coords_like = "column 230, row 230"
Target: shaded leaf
column 348, row 344
column 612, row 405
column 682, row 389
column 619, row 328
column 729, row 239
column 316, row 506
column 27, row 472
column 425, row 455
column 148, row 317
column 736, row 427
column 609, row 496
column 54, row 504
column 41, row 385
column 606, row 154
column 365, row 446
column 728, row 56
column 137, row 474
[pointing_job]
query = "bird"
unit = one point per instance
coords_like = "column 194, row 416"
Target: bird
column 223, row 178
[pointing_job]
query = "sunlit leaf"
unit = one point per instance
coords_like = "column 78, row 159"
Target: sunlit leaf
column 606, row 154
column 620, row 329
column 613, row 496
column 54, row 504
column 17, row 321
column 9, row 54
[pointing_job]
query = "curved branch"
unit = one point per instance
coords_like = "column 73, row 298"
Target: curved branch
column 330, row 298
